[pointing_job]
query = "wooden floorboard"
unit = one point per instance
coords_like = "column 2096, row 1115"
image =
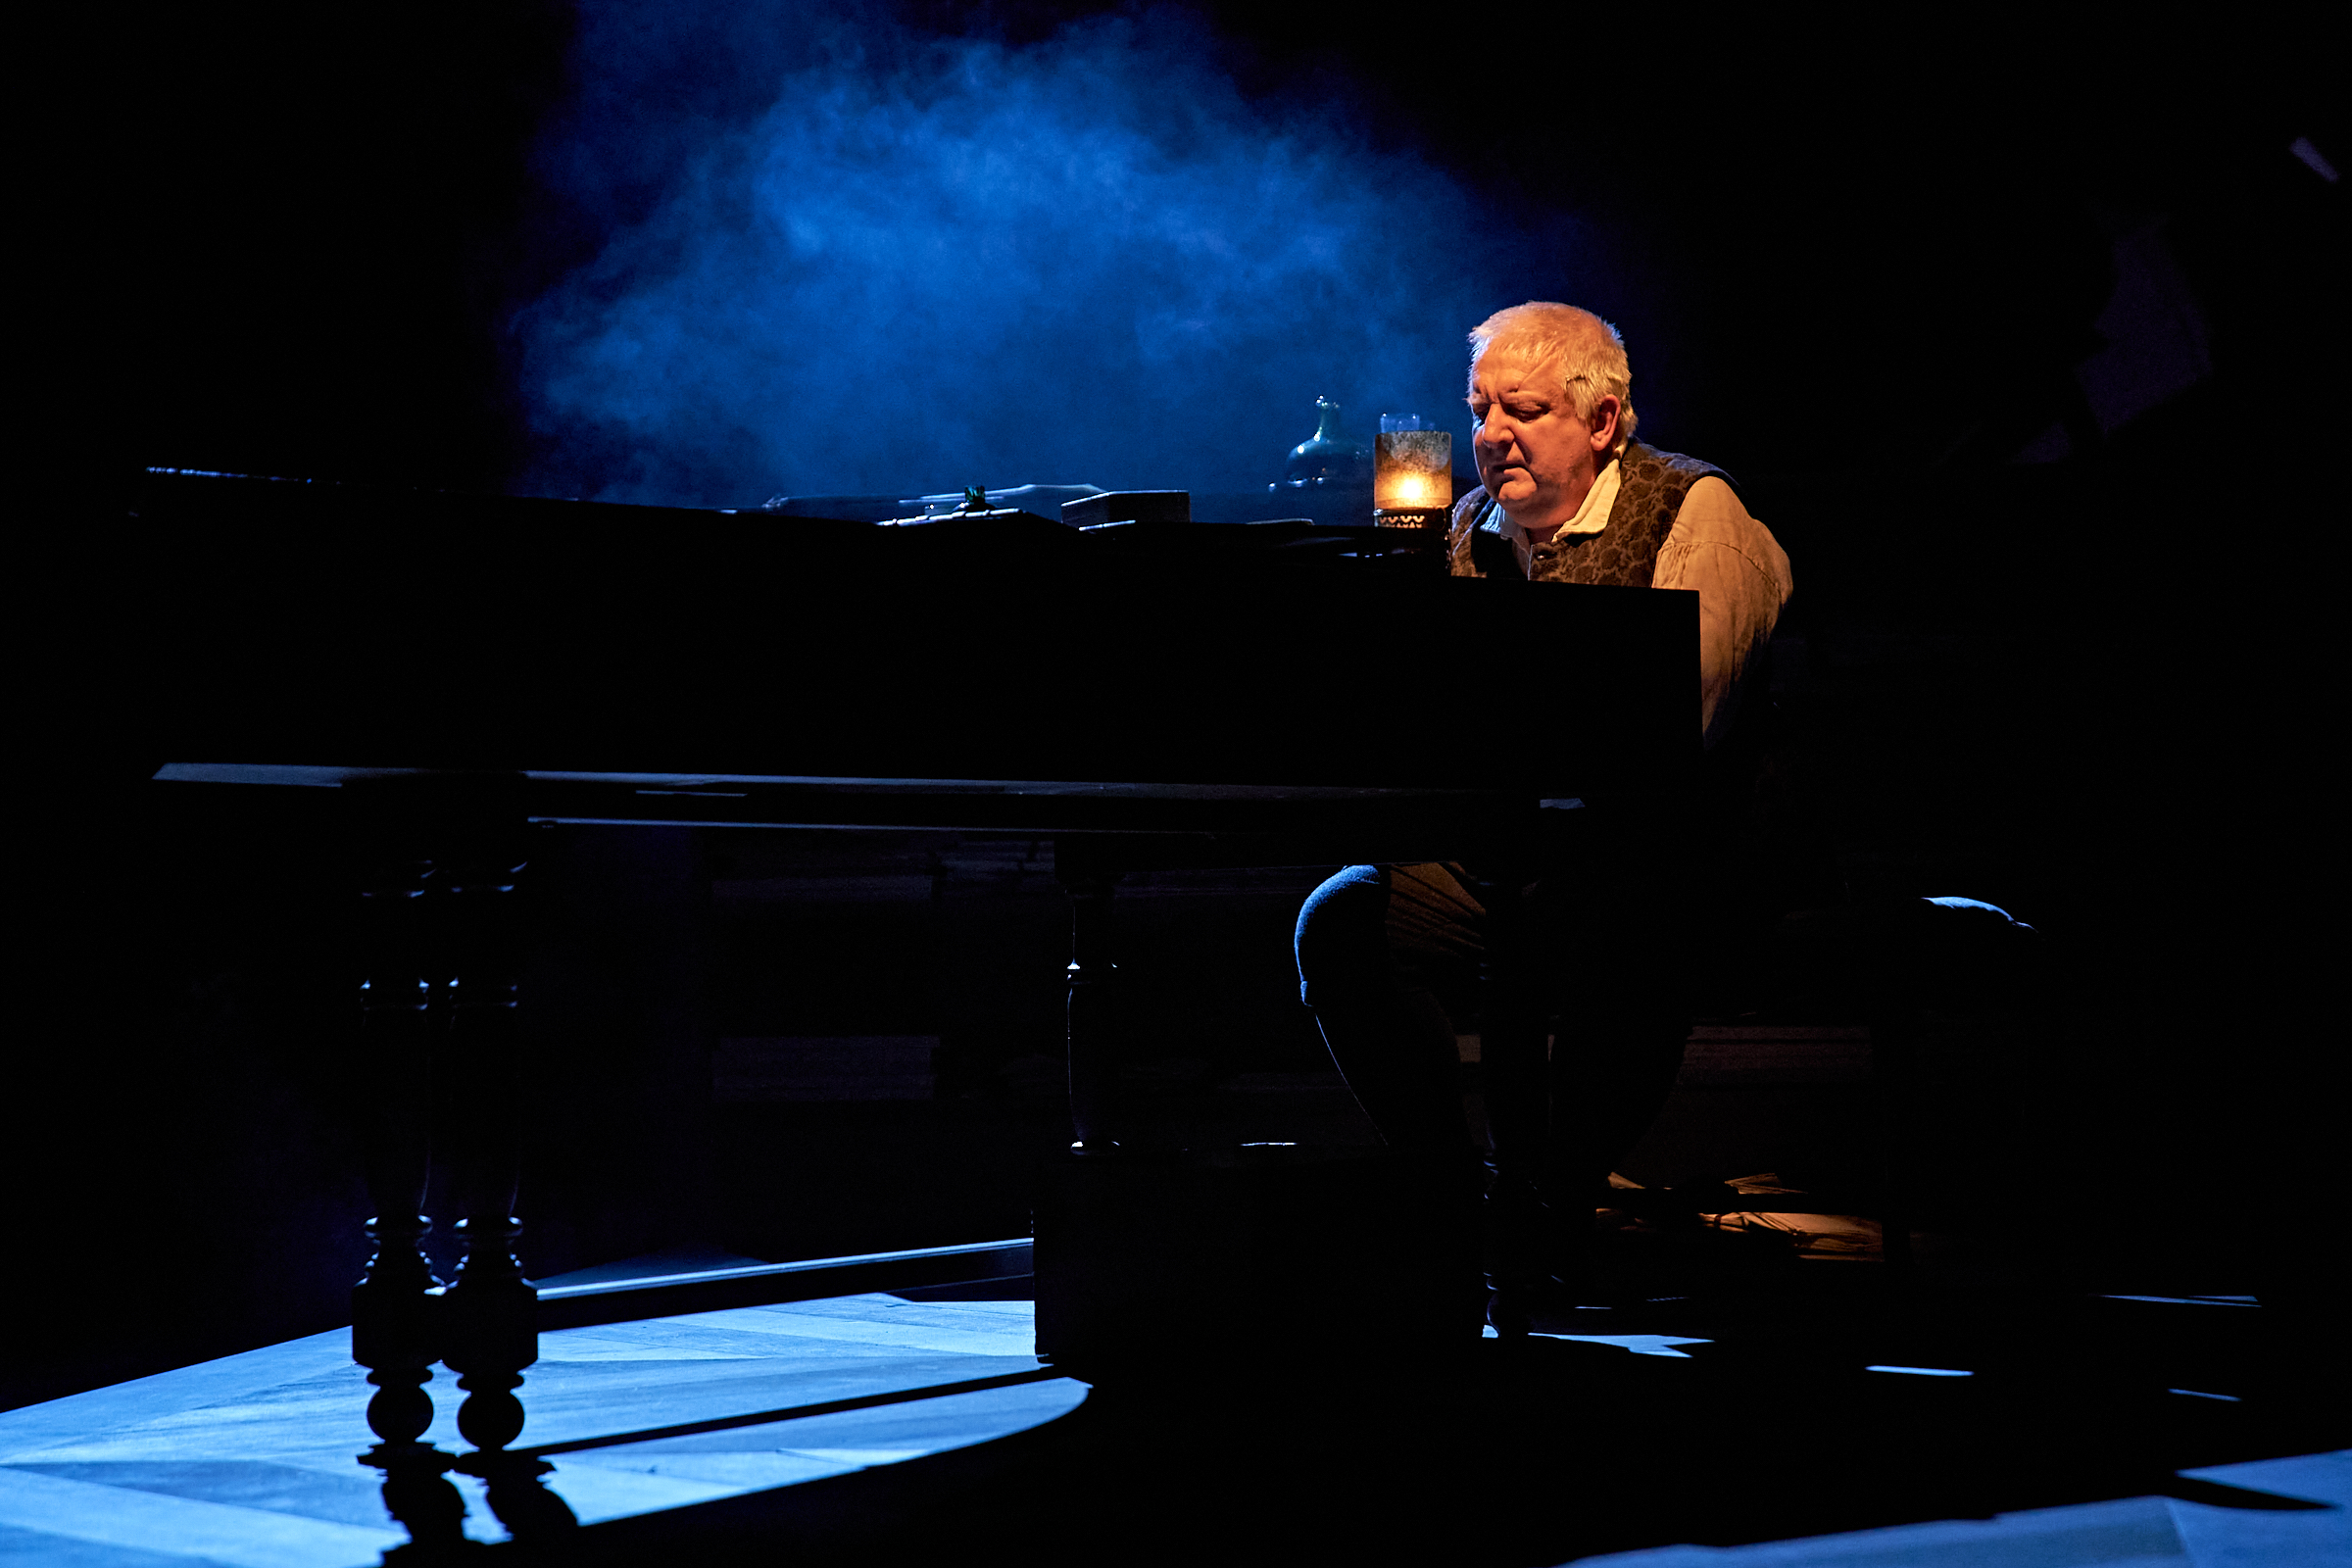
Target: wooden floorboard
column 1800, row 1418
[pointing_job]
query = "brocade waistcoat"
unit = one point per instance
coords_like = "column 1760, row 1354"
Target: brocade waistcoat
column 1650, row 488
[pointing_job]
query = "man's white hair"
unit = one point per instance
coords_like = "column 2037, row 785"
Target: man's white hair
column 1588, row 352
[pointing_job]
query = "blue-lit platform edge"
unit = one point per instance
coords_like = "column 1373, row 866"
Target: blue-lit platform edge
column 2314, row 1529
column 570, row 1307
column 250, row 1460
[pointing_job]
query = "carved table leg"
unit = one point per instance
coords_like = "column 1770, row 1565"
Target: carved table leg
column 493, row 1311
column 440, row 903
column 393, row 1322
column 492, row 1308
column 395, row 1309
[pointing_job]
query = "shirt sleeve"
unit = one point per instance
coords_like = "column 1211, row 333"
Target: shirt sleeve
column 1742, row 579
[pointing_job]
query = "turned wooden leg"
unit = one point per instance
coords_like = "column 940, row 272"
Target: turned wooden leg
column 493, row 1309
column 394, row 1321
column 493, row 1320
column 1093, row 1020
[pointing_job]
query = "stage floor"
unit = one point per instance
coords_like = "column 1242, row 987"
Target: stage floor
column 1808, row 1423
column 249, row 1459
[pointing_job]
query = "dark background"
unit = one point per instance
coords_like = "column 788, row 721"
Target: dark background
column 2071, row 665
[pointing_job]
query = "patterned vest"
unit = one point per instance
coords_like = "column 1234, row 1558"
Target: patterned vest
column 1650, row 488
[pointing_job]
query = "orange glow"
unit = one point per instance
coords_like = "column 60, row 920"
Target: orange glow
column 1414, row 470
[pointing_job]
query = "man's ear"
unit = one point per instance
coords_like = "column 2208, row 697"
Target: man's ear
column 1605, row 412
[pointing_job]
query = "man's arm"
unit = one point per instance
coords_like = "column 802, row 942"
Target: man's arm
column 1742, row 579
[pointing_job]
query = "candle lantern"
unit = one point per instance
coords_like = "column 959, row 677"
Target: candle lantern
column 1412, row 473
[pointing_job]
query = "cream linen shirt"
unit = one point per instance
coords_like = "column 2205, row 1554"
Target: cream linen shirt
column 1731, row 561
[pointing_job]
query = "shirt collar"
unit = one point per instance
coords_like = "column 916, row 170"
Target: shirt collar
column 1591, row 517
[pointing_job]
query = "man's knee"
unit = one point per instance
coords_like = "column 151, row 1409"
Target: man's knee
column 1342, row 941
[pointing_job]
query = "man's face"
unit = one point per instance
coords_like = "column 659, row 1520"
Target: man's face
column 1534, row 454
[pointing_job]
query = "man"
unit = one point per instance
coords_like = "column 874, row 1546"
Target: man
column 1574, row 500
column 1389, row 956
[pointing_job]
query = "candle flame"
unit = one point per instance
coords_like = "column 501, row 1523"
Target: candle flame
column 1412, row 472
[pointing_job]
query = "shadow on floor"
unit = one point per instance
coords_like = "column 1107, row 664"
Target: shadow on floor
column 1812, row 1422
column 1793, row 1415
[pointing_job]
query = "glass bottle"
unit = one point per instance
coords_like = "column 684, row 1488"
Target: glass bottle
column 1327, row 457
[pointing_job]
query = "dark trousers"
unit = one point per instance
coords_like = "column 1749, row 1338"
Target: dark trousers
column 1585, row 943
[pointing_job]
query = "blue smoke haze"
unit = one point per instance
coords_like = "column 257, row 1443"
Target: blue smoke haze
column 905, row 263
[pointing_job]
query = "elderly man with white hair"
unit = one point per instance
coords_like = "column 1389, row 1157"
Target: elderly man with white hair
column 1389, row 956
